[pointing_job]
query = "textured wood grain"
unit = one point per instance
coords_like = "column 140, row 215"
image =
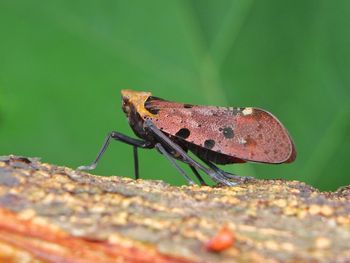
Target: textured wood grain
column 55, row 214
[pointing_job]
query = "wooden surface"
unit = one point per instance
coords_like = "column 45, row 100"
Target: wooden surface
column 55, row 214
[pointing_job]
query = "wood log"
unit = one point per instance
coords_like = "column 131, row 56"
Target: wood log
column 50, row 213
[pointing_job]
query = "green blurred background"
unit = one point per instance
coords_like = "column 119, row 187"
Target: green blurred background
column 63, row 64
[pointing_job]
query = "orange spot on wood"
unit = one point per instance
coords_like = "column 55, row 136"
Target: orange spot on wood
column 222, row 240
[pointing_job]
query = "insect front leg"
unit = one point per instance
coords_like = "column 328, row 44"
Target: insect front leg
column 163, row 139
column 122, row 138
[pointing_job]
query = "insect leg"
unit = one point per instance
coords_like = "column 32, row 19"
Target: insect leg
column 199, row 177
column 173, row 162
column 185, row 157
column 123, row 138
column 236, row 178
column 136, row 163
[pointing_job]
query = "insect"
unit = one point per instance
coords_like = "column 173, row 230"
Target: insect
column 216, row 135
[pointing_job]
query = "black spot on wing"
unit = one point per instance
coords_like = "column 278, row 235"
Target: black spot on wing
column 209, row 144
column 151, row 98
column 153, row 111
column 183, row 133
column 228, row 132
column 188, row 106
column 151, row 108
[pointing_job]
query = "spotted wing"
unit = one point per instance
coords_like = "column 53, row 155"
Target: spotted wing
column 249, row 134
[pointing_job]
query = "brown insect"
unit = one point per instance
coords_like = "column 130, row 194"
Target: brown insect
column 216, row 135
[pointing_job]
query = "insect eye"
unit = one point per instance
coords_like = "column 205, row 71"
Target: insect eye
column 125, row 103
column 125, row 106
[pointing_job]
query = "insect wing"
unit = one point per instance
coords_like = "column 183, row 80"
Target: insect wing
column 250, row 134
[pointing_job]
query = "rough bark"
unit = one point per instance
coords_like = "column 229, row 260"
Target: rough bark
column 55, row 214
